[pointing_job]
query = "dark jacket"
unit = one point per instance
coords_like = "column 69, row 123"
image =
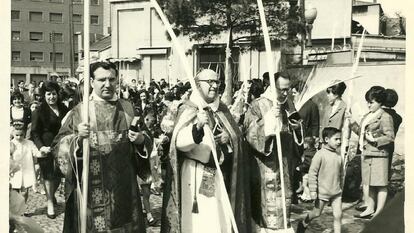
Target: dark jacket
column 308, row 155
column 396, row 118
column 310, row 116
column 46, row 125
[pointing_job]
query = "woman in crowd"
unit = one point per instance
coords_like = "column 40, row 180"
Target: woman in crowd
column 389, row 104
column 143, row 103
column 376, row 133
column 335, row 113
column 46, row 123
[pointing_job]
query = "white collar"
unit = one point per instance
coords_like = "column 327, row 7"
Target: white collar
column 197, row 99
column 94, row 96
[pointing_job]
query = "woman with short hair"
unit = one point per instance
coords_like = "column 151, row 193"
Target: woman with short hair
column 335, row 113
column 376, row 133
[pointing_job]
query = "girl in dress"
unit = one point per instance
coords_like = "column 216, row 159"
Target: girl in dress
column 23, row 151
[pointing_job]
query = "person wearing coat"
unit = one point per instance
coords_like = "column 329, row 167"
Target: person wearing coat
column 376, row 133
column 335, row 113
column 262, row 120
column 46, row 122
column 390, row 102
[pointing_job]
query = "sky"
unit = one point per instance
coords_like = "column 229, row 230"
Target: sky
column 391, row 6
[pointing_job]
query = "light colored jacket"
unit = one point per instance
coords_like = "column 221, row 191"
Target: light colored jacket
column 382, row 129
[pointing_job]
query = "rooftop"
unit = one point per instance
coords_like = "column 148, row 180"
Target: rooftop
column 101, row 44
column 363, row 3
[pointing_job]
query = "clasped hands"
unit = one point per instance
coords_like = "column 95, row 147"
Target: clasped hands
column 135, row 137
column 202, row 119
column 44, row 150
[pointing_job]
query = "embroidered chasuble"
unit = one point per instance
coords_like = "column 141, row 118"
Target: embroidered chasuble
column 114, row 203
column 267, row 209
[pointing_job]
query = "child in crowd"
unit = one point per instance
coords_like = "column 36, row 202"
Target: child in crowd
column 23, row 151
column 325, row 179
column 150, row 128
column 308, row 153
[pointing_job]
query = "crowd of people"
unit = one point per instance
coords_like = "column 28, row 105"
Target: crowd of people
column 217, row 167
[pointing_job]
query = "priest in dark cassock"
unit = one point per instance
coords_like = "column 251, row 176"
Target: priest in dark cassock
column 261, row 121
column 118, row 149
column 193, row 199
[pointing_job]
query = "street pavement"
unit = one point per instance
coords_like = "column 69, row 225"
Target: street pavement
column 37, row 206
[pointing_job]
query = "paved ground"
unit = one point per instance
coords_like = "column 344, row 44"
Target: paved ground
column 36, row 205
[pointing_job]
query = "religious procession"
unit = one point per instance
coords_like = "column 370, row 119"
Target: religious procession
column 215, row 117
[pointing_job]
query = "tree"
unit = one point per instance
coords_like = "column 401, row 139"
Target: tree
column 203, row 20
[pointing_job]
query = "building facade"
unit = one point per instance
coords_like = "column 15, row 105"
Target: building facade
column 32, row 45
column 140, row 47
column 137, row 32
column 368, row 14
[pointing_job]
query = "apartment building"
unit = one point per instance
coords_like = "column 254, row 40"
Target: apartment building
column 32, row 45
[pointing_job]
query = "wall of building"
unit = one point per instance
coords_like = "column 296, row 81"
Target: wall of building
column 337, row 13
column 106, row 17
column 138, row 31
column 369, row 18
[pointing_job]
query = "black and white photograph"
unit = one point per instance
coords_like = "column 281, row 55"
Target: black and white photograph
column 205, row 116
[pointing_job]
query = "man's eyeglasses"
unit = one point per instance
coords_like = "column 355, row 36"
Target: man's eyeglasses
column 211, row 82
column 284, row 89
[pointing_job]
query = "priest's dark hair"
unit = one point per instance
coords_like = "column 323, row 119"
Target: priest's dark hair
column 102, row 64
column 283, row 74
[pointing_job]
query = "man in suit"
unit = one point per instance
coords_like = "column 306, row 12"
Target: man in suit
column 21, row 88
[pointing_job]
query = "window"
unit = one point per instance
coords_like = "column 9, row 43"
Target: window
column 77, row 18
column 59, row 57
column 56, row 1
column 36, row 36
column 360, row 10
column 94, row 20
column 215, row 59
column 15, row 15
column 75, row 39
column 36, row 56
column 94, row 2
column 15, row 55
column 76, row 57
column 35, row 16
column 56, row 17
column 15, row 35
column 58, row 37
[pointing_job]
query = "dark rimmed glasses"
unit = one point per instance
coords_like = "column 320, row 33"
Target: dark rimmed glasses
column 211, row 82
